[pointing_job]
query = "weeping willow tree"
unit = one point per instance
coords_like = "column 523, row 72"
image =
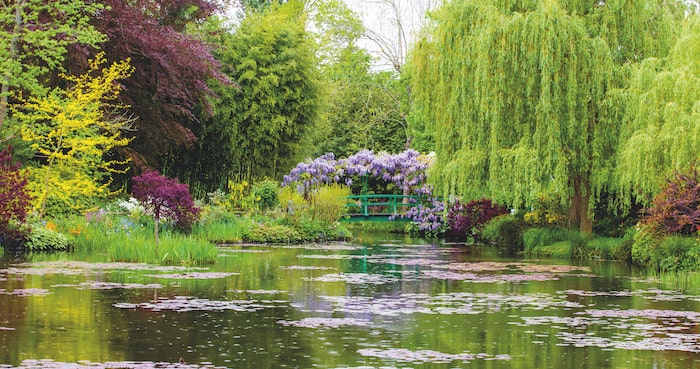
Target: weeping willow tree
column 512, row 92
column 661, row 114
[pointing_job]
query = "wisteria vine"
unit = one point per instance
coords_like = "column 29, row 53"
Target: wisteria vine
column 405, row 170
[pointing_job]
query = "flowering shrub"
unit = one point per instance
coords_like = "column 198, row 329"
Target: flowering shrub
column 546, row 211
column 165, row 198
column 676, row 210
column 14, row 198
column 468, row 220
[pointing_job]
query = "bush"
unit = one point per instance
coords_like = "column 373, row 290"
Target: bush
column 676, row 210
column 14, row 198
column 44, row 239
column 535, row 237
column 467, row 220
column 329, row 203
column 547, row 211
column 645, row 244
column 166, row 198
column 272, row 233
column 266, row 194
column 506, row 231
column 677, row 254
column 580, row 248
column 294, row 205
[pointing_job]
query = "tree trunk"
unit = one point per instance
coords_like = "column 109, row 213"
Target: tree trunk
column 156, row 227
column 578, row 210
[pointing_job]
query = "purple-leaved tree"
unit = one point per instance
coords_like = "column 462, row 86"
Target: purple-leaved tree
column 165, row 198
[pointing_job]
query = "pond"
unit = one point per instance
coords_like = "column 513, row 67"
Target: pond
column 392, row 302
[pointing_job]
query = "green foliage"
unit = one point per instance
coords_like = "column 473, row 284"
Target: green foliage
column 506, row 231
column 361, row 108
column 660, row 133
column 240, row 197
column 665, row 253
column 220, row 232
column 328, row 203
column 266, row 194
column 35, row 36
column 535, row 237
column 645, row 245
column 268, row 116
column 556, row 250
column 43, row 239
column 272, row 233
column 546, row 210
column 561, row 58
column 294, row 204
column 173, row 250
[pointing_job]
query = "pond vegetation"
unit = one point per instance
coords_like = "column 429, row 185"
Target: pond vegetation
column 377, row 303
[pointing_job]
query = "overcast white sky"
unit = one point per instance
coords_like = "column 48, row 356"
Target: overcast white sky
column 382, row 19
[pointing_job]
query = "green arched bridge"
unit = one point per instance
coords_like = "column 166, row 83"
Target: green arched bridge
column 379, row 207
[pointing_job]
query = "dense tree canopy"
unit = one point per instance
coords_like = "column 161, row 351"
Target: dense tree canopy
column 273, row 111
column 172, row 68
column 661, row 113
column 512, row 92
column 35, row 37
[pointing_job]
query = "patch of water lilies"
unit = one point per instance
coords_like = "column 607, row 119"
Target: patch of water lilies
column 85, row 268
column 426, row 356
column 322, row 247
column 653, row 294
column 97, row 285
column 627, row 329
column 23, row 292
column 193, row 275
column 325, row 322
column 232, row 250
column 51, row 364
column 356, row 278
column 186, row 303
column 447, row 303
column 306, row 267
column 403, row 261
column 489, row 278
column 334, row 256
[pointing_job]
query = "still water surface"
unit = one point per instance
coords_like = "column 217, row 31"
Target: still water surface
column 383, row 302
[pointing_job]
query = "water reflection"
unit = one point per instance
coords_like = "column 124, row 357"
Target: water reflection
column 380, row 302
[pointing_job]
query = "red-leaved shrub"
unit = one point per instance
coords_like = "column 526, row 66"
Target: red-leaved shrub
column 676, row 210
column 467, row 220
column 14, row 198
column 166, row 198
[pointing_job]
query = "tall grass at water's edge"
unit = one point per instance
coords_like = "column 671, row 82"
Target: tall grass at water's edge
column 220, row 232
column 172, row 249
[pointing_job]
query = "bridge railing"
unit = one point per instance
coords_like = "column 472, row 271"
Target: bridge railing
column 380, row 204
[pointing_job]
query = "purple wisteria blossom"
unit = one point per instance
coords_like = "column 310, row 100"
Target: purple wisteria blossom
column 405, row 171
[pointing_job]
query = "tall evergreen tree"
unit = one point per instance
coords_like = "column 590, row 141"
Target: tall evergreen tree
column 512, row 92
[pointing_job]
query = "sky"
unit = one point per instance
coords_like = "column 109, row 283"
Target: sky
column 383, row 20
